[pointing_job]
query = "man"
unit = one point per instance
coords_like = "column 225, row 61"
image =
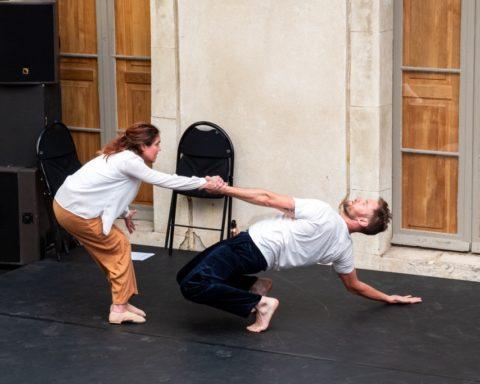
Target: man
column 308, row 232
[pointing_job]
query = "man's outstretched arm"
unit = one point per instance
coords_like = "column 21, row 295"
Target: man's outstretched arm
column 262, row 197
column 351, row 282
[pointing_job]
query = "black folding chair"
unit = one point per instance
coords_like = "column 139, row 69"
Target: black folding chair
column 204, row 150
column 57, row 158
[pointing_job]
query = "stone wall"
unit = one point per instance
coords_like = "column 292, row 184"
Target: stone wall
column 274, row 75
column 371, row 39
column 303, row 89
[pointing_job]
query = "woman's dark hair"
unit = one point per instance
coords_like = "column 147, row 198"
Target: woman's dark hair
column 134, row 137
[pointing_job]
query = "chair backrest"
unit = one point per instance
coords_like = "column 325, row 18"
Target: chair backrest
column 56, row 155
column 205, row 150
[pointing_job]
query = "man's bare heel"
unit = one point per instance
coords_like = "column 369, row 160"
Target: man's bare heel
column 265, row 309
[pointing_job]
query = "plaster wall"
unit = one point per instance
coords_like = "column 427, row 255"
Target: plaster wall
column 274, row 76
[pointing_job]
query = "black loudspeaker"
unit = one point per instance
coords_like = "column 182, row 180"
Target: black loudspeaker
column 24, row 112
column 24, row 224
column 28, row 42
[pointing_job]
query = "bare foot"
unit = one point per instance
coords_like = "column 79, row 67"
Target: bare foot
column 262, row 286
column 266, row 307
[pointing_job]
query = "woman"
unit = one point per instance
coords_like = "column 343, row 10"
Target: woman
column 89, row 201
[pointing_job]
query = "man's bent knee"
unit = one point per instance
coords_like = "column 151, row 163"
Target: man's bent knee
column 193, row 289
column 180, row 277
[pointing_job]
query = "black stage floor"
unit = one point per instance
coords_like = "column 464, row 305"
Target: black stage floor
column 53, row 329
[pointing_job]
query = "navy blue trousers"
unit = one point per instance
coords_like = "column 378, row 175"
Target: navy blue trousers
column 218, row 276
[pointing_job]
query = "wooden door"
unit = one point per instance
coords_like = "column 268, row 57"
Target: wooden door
column 434, row 42
column 430, row 115
column 81, row 73
column 132, row 47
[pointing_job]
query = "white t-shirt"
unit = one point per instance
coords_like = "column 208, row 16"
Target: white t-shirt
column 318, row 234
column 105, row 187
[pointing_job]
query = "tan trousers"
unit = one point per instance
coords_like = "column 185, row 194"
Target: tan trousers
column 112, row 252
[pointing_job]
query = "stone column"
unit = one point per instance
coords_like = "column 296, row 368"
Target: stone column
column 165, row 88
column 371, row 39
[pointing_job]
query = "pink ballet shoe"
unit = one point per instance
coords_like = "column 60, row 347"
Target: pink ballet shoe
column 132, row 309
column 136, row 310
column 125, row 317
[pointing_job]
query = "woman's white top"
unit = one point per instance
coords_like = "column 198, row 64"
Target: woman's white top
column 105, row 187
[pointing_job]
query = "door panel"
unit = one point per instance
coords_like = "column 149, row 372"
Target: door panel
column 133, row 92
column 87, row 144
column 430, row 193
column 79, row 81
column 430, row 111
column 132, row 27
column 431, row 33
column 77, row 26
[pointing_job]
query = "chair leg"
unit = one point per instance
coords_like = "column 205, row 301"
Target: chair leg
column 167, row 235
column 172, row 229
column 229, row 215
column 56, row 230
column 58, row 241
column 65, row 245
column 224, row 215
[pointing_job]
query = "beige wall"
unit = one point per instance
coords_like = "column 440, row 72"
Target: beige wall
column 301, row 87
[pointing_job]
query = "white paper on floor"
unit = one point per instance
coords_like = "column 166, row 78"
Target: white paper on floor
column 140, row 256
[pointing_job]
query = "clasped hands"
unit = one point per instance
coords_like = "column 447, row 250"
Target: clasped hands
column 214, row 184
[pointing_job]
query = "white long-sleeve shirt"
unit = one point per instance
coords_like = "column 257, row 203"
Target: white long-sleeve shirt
column 105, row 187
